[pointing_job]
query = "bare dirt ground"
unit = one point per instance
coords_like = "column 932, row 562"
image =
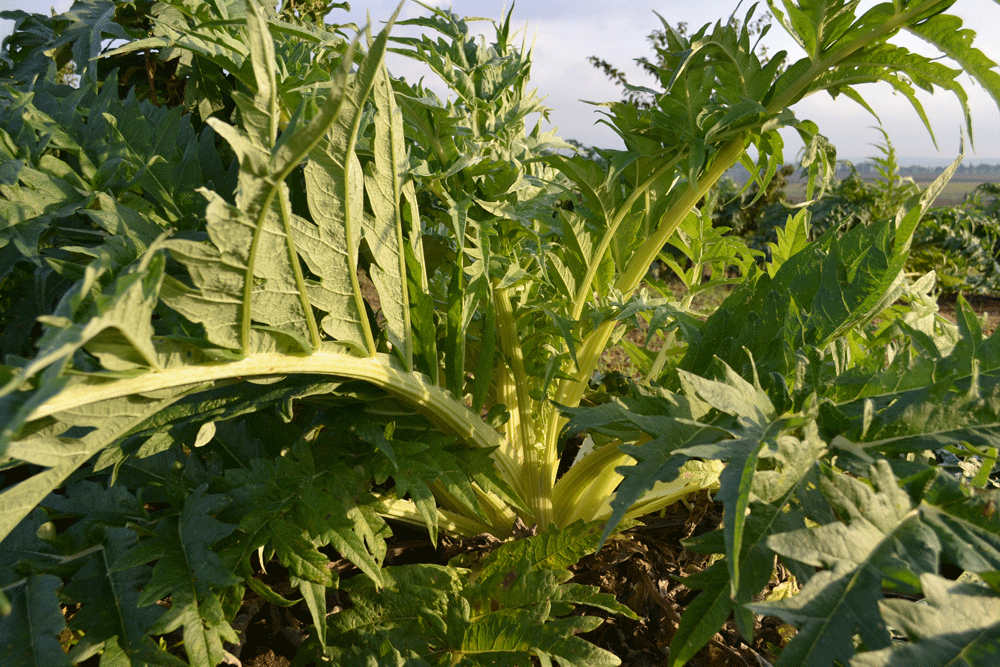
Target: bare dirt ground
column 980, row 303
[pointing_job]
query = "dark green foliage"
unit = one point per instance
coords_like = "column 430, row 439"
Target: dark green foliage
column 90, row 179
column 278, row 290
column 516, row 603
column 886, row 533
column 959, row 243
column 746, row 211
column 957, row 625
column 659, row 42
column 962, row 245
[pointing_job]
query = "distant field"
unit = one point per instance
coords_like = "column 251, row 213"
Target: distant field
column 954, row 193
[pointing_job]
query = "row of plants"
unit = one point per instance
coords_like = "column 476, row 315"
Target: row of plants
column 266, row 302
column 961, row 244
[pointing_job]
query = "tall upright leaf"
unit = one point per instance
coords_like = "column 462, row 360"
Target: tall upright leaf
column 393, row 200
column 335, row 188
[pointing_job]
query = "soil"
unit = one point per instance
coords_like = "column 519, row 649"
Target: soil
column 980, row 303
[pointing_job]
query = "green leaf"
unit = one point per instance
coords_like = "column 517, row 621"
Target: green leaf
column 655, row 461
column 550, row 550
column 946, row 33
column 792, row 238
column 754, row 430
column 191, row 574
column 386, row 233
column 820, row 293
column 298, row 554
column 253, row 272
column 110, row 618
column 704, row 615
column 89, row 25
column 955, row 624
column 886, row 543
column 395, row 614
column 712, row 607
column 314, row 595
column 253, row 266
column 294, row 510
column 30, row 634
column 832, row 606
column 899, row 68
column 508, row 640
column 502, row 616
column 110, row 420
column 966, row 524
column 115, row 326
column 22, row 544
column 335, row 187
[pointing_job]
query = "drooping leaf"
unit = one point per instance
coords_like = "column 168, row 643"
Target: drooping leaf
column 61, row 456
column 110, row 617
column 947, row 34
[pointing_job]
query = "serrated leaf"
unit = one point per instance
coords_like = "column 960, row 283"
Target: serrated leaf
column 817, row 295
column 655, row 461
column 116, row 327
column 314, row 595
column 955, row 624
column 832, row 606
column 792, row 238
column 252, row 265
column 24, row 543
column 385, row 233
column 30, row 635
column 509, row 640
column 968, row 526
column 946, row 33
column 298, row 554
column 110, row 618
column 502, row 617
column 111, row 420
column 192, row 576
column 754, row 430
column 709, row 610
column 553, row 549
column 885, row 544
column 292, row 510
column 395, row 613
column 253, row 270
column 334, row 188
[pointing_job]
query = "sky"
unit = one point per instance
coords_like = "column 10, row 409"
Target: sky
column 566, row 32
